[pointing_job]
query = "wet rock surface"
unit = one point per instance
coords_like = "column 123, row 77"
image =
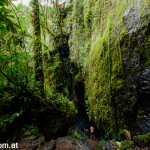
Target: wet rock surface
column 144, row 125
column 136, row 90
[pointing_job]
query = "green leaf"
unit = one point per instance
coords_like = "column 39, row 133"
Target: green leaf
column 6, row 10
column 5, row 2
column 1, row 4
column 17, row 114
column 2, row 27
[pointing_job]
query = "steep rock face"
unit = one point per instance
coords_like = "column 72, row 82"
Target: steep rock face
column 53, row 125
column 114, row 51
column 58, row 75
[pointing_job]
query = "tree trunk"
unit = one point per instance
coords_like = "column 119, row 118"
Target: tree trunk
column 37, row 48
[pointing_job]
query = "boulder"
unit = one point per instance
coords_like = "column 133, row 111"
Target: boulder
column 50, row 145
column 108, row 145
column 126, row 144
column 142, row 140
column 41, row 139
column 68, row 143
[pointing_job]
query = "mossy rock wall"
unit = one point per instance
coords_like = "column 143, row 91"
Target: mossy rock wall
column 111, row 41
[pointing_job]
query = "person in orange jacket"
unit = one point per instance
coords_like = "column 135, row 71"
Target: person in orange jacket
column 92, row 132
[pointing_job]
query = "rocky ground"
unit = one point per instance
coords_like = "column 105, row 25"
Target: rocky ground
column 69, row 143
column 61, row 143
column 92, row 144
column 81, row 141
column 72, row 143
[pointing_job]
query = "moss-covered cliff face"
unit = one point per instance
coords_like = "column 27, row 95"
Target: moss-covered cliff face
column 110, row 40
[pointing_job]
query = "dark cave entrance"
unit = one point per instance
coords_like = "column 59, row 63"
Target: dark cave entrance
column 82, row 119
